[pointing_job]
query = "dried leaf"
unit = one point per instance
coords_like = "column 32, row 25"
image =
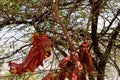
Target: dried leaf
column 63, row 74
column 64, row 61
column 38, row 52
column 50, row 76
column 73, row 74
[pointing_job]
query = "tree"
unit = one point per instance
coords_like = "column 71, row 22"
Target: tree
column 67, row 23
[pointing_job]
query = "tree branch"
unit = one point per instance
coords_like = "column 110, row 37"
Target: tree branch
column 37, row 19
column 95, row 14
column 108, row 27
column 112, row 40
column 116, row 66
column 15, row 51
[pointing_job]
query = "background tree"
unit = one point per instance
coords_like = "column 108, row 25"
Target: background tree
column 96, row 20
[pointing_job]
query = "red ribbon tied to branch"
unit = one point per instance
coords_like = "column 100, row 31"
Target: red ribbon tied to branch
column 38, row 52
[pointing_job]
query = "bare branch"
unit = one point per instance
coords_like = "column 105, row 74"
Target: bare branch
column 15, row 51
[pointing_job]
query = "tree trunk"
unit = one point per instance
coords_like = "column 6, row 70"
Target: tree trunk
column 102, row 62
column 96, row 6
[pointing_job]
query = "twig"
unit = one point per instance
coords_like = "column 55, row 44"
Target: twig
column 110, row 24
column 15, row 51
column 57, row 18
column 116, row 66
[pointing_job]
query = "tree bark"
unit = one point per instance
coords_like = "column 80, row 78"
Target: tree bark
column 102, row 58
column 96, row 48
column 101, row 64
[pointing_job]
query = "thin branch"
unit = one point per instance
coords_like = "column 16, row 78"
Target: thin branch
column 108, row 27
column 116, row 66
column 15, row 51
column 57, row 18
column 113, row 38
column 34, row 17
